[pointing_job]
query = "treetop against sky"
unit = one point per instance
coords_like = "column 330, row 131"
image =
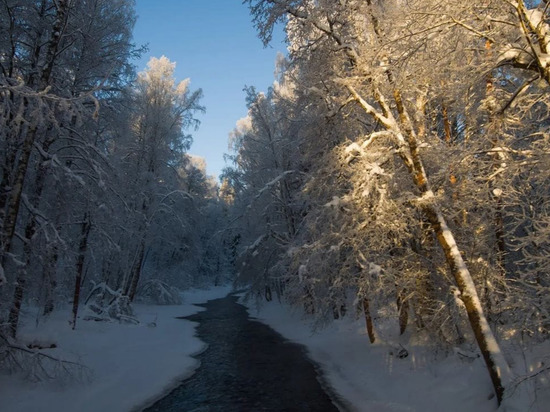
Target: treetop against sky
column 215, row 45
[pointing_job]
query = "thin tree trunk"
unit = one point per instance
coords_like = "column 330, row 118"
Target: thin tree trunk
column 50, row 281
column 21, row 280
column 49, row 273
column 499, row 164
column 446, row 124
column 368, row 320
column 136, row 272
column 422, row 301
column 14, row 201
column 83, row 247
column 37, row 47
column 58, row 28
column 402, row 308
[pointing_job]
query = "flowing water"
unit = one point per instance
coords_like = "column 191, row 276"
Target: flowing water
column 247, row 367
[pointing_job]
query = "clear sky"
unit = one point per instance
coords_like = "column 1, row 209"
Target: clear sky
column 215, row 44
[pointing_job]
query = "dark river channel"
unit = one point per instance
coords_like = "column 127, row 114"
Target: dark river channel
column 247, row 367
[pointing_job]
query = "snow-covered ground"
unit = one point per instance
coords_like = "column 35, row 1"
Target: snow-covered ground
column 128, row 365
column 373, row 378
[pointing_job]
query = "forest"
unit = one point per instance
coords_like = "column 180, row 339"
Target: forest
column 397, row 170
column 99, row 199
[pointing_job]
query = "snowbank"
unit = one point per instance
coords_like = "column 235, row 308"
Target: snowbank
column 129, row 365
column 374, row 378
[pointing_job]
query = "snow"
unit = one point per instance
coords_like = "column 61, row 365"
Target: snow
column 256, row 243
column 372, row 377
column 536, row 18
column 302, row 272
column 270, row 184
column 133, row 365
column 374, row 270
column 353, row 147
column 130, row 365
column 544, row 59
column 335, row 202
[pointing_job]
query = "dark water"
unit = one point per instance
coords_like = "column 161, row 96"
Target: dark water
column 247, row 367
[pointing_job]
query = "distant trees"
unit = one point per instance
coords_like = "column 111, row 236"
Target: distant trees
column 266, row 178
column 416, row 120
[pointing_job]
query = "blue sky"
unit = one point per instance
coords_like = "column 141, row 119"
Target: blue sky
column 214, row 43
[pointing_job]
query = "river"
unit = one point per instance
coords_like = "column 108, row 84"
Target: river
column 247, row 367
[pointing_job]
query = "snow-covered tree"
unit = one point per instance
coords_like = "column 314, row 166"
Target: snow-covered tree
column 429, row 103
column 152, row 158
column 265, row 179
column 59, row 60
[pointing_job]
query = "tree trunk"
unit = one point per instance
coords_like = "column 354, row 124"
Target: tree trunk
column 368, row 320
column 49, row 273
column 488, row 345
column 497, row 366
column 30, row 231
column 499, row 165
column 14, row 201
column 50, row 282
column 13, row 317
column 402, row 308
column 86, row 226
column 403, row 131
column 21, row 280
column 136, row 272
column 58, row 28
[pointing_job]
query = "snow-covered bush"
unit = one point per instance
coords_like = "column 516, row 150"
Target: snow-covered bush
column 106, row 304
column 156, row 292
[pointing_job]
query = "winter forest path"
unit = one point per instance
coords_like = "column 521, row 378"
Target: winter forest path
column 246, row 367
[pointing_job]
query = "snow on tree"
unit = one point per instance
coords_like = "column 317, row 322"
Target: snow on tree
column 46, row 99
column 96, row 184
column 425, row 108
column 265, row 179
